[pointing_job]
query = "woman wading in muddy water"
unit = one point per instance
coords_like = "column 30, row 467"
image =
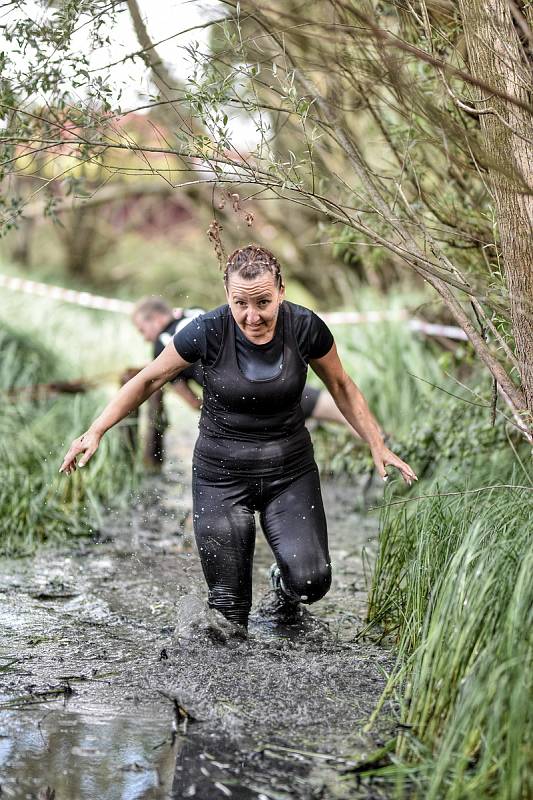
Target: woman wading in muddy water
column 253, row 451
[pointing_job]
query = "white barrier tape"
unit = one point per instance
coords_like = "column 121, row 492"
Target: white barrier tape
column 431, row 329
column 360, row 317
column 67, row 295
column 124, row 307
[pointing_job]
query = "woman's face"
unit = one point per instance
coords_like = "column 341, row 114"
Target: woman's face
column 255, row 305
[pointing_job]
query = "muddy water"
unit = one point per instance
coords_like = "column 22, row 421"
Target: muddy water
column 116, row 681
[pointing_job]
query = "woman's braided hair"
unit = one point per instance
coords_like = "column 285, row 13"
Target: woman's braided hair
column 250, row 262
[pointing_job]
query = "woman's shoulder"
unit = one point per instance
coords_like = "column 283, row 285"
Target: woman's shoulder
column 207, row 329
column 302, row 317
column 312, row 334
column 213, row 320
column 201, row 337
column 301, row 321
column 299, row 312
column 216, row 313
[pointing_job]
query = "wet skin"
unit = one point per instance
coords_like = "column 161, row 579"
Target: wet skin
column 255, row 305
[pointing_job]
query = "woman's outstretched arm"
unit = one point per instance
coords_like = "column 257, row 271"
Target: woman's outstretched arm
column 165, row 367
column 353, row 406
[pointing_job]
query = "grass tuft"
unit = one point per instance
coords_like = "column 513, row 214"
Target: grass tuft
column 36, row 503
column 453, row 580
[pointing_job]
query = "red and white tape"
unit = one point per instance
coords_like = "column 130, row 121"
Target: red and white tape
column 88, row 300
column 66, row 295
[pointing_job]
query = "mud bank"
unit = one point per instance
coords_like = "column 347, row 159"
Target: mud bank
column 116, row 682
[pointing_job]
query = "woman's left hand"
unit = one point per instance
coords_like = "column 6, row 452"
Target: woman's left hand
column 384, row 457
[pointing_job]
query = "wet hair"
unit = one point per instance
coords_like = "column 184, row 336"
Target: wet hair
column 250, row 262
column 150, row 306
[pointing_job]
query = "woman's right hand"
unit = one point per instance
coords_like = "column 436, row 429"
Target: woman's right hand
column 87, row 444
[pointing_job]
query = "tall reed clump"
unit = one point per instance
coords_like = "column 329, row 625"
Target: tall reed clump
column 453, row 579
column 36, row 503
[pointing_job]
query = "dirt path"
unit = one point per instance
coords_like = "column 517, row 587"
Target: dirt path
column 107, row 646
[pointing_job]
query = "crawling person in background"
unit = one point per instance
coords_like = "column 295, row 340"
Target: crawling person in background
column 157, row 322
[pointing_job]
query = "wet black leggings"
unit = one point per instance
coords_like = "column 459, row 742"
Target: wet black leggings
column 293, row 520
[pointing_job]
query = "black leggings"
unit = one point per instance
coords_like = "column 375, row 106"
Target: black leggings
column 293, row 520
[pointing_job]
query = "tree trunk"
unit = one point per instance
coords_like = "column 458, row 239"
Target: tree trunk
column 496, row 57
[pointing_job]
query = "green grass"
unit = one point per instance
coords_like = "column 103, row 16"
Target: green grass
column 36, row 503
column 453, row 581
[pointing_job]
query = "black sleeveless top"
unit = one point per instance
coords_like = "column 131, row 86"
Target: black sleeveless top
column 253, row 426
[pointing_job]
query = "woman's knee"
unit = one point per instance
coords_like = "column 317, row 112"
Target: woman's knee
column 310, row 585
